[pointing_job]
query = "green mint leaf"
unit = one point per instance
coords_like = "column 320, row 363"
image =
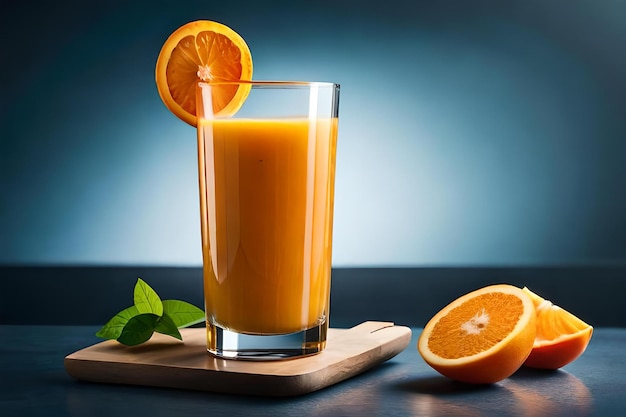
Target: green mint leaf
column 167, row 326
column 182, row 313
column 113, row 328
column 136, row 324
column 139, row 329
column 146, row 299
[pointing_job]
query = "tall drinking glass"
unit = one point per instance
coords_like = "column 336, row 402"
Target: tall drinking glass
column 267, row 176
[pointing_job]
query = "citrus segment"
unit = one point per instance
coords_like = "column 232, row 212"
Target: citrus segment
column 561, row 336
column 481, row 337
column 207, row 51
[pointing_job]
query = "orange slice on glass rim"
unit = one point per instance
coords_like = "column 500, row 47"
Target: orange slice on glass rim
column 207, row 51
column 481, row 337
column 561, row 336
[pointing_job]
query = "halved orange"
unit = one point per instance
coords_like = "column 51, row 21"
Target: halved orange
column 481, row 337
column 561, row 336
column 207, row 51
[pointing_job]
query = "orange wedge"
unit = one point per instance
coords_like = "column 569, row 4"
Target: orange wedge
column 207, row 51
column 481, row 337
column 561, row 337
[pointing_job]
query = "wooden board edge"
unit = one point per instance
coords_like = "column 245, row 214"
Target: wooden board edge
column 394, row 340
column 390, row 340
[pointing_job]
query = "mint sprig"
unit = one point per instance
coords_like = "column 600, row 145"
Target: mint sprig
column 136, row 324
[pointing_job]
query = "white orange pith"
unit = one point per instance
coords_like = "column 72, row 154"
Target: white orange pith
column 481, row 337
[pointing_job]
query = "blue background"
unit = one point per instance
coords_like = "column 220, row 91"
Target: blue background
column 471, row 132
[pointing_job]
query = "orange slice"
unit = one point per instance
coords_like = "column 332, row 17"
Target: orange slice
column 561, row 336
column 481, row 337
column 202, row 51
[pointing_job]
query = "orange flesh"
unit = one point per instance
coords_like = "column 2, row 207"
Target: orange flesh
column 481, row 337
column 209, row 56
column 203, row 51
column 561, row 336
column 472, row 328
column 554, row 322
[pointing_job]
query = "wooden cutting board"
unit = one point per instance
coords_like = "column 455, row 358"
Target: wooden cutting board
column 166, row 362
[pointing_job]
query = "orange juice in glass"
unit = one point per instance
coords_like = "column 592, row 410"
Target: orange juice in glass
column 266, row 177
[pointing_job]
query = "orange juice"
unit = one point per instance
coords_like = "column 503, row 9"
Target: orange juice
column 266, row 197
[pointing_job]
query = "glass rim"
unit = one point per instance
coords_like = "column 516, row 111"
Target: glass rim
column 268, row 83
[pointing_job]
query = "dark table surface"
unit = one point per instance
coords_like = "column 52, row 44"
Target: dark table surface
column 33, row 382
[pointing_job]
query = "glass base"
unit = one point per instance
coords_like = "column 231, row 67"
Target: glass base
column 228, row 344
